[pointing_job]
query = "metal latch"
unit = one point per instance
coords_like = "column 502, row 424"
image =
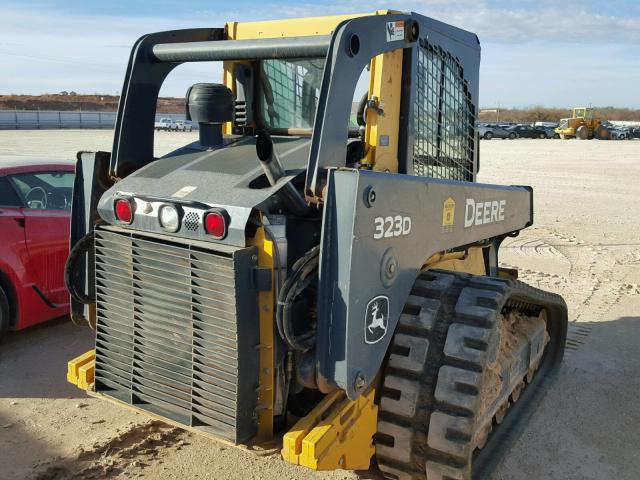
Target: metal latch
column 375, row 104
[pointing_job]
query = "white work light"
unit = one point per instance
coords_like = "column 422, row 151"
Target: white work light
column 169, row 218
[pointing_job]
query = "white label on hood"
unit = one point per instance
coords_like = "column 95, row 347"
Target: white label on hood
column 184, row 191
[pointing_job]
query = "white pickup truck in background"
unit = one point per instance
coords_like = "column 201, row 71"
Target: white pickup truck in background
column 183, row 125
column 165, row 124
column 171, row 125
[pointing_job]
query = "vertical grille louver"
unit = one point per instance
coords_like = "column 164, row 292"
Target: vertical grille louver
column 177, row 331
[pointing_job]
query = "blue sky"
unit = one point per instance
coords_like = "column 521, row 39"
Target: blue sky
column 542, row 52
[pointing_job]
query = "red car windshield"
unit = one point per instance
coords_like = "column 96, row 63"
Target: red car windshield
column 45, row 190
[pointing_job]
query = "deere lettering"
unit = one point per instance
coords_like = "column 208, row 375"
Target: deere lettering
column 481, row 213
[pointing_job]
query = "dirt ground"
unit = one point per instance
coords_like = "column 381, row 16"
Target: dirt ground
column 584, row 245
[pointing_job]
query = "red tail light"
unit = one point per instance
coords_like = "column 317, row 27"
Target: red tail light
column 124, row 210
column 215, row 224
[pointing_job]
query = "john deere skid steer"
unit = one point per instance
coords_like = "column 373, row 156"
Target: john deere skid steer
column 307, row 274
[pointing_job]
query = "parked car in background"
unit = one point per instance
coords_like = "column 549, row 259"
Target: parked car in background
column 527, row 131
column 183, row 125
column 550, row 132
column 489, row 131
column 35, row 211
column 546, row 124
column 621, row 133
column 165, row 124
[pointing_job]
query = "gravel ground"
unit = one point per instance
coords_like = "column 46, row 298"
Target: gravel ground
column 584, row 245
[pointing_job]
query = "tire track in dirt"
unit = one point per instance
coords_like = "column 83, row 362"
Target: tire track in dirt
column 130, row 449
column 630, row 258
column 585, row 272
column 590, row 264
column 625, row 290
column 577, row 335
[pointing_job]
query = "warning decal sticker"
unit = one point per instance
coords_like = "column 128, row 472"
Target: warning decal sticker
column 448, row 212
column 395, row 31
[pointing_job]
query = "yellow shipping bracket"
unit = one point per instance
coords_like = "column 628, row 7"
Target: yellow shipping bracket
column 338, row 433
column 80, row 370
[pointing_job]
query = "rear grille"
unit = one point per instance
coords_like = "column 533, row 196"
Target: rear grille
column 177, row 331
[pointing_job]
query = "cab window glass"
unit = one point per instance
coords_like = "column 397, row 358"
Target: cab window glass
column 290, row 91
column 45, row 191
column 8, row 196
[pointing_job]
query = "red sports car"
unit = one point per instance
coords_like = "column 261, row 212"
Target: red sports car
column 35, row 210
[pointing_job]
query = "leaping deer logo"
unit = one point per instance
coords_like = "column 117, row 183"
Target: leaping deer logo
column 376, row 321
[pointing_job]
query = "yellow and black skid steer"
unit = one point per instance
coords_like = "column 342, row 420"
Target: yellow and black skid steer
column 321, row 263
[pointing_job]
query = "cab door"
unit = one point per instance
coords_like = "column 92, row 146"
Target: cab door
column 47, row 214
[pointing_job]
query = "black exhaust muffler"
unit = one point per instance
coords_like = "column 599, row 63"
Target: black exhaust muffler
column 273, row 170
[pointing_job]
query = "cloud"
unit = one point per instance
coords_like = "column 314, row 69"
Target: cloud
column 560, row 25
column 531, row 48
column 570, row 21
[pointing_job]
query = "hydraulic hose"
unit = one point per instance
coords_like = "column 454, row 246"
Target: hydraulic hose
column 71, row 272
column 304, row 273
column 361, row 112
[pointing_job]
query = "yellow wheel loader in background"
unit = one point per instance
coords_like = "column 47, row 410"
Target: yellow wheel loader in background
column 583, row 126
column 292, row 274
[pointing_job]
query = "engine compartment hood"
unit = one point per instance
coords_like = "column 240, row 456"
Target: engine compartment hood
column 226, row 177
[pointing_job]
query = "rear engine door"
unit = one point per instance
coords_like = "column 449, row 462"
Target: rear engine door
column 47, row 211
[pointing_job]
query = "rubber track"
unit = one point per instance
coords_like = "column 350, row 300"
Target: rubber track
column 430, row 395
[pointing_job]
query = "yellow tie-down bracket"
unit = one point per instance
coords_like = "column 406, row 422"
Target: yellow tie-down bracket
column 338, row 433
column 81, row 370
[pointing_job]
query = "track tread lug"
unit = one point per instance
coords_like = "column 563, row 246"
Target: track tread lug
column 396, row 473
column 439, row 471
column 425, row 318
column 418, row 348
column 402, row 439
column 458, row 387
column 473, row 345
column 406, row 405
column 435, row 284
column 450, row 434
column 478, row 307
column 491, row 283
